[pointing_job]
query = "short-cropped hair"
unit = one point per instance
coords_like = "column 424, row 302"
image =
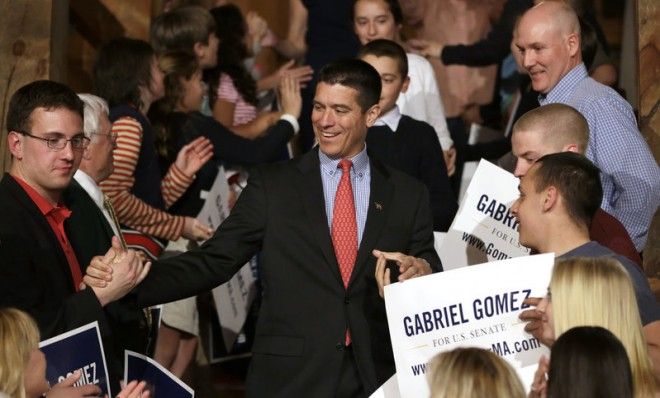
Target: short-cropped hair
column 576, row 179
column 389, row 49
column 181, row 28
column 557, row 124
column 39, row 94
column 356, row 74
column 94, row 107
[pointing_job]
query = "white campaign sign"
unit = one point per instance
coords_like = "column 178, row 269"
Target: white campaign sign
column 233, row 298
column 468, row 307
column 484, row 229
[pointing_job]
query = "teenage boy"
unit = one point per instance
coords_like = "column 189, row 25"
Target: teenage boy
column 402, row 142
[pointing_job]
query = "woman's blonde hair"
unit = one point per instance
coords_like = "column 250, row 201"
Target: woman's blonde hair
column 598, row 292
column 18, row 337
column 473, row 373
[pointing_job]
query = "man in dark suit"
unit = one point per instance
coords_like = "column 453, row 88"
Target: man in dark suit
column 322, row 329
column 402, row 142
column 39, row 271
column 90, row 229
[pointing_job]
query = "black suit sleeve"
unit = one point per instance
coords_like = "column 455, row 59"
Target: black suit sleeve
column 236, row 150
column 237, row 239
column 31, row 281
column 433, row 173
column 495, row 47
column 421, row 242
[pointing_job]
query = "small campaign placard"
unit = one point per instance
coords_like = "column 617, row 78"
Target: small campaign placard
column 430, row 314
column 160, row 382
column 78, row 349
column 484, row 228
column 233, row 298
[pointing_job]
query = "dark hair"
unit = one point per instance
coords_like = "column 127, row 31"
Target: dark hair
column 356, row 74
column 232, row 51
column 394, row 6
column 589, row 361
column 387, row 48
column 588, row 42
column 123, row 66
column 181, row 28
column 40, row 94
column 176, row 65
column 577, row 180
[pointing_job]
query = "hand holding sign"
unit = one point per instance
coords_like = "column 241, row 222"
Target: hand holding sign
column 135, row 390
column 65, row 388
column 119, row 272
column 409, row 267
column 534, row 319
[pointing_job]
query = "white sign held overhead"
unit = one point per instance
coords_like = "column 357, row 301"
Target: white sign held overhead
column 484, row 228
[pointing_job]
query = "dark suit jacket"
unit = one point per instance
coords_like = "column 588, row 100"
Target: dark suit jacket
column 90, row 235
column 34, row 273
column 305, row 308
column 415, row 149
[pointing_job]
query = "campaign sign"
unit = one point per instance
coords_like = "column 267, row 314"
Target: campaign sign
column 474, row 306
column 232, row 299
column 78, row 349
column 484, row 228
column 389, row 389
column 160, row 382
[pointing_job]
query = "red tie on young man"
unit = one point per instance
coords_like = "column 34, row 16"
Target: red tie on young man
column 344, row 227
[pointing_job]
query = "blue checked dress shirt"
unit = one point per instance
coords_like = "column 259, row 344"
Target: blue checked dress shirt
column 629, row 174
column 360, row 180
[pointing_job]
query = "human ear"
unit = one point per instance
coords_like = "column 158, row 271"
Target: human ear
column 406, row 84
column 15, row 144
column 372, row 115
column 550, row 198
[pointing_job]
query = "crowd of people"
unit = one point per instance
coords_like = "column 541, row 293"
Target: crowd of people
column 341, row 163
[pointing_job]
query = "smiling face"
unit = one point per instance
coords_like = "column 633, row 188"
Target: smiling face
column 546, row 48
column 373, row 20
column 340, row 124
column 392, row 81
column 47, row 170
column 528, row 210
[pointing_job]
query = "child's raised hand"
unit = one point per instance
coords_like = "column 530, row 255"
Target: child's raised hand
column 290, row 99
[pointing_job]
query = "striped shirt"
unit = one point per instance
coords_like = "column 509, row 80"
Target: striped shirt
column 360, row 182
column 244, row 112
column 629, row 174
column 132, row 211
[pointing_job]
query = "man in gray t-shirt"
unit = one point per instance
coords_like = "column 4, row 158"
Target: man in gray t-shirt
column 559, row 196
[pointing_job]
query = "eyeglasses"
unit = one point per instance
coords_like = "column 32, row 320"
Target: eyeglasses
column 112, row 136
column 58, row 142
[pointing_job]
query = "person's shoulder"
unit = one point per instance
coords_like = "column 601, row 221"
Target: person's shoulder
column 401, row 180
column 420, row 130
column 418, row 63
column 592, row 94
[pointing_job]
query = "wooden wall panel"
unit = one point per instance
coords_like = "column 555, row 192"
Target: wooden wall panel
column 25, row 49
column 648, row 15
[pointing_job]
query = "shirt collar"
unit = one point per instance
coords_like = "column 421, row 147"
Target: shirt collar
column 89, row 185
column 566, row 86
column 59, row 212
column 391, row 119
column 360, row 163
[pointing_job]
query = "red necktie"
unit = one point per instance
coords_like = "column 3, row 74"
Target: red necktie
column 344, row 227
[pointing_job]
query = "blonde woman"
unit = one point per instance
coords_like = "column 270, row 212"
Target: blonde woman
column 23, row 365
column 597, row 292
column 473, row 373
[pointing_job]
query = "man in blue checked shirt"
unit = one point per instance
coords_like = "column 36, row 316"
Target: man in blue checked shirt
column 548, row 42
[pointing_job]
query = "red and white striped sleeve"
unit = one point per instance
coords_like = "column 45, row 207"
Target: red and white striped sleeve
column 174, row 184
column 132, row 211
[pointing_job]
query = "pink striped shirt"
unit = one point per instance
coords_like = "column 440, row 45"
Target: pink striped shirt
column 244, row 112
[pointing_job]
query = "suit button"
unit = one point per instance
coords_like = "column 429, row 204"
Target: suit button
column 339, row 347
column 347, row 300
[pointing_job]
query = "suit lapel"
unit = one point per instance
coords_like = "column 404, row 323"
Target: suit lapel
column 19, row 194
column 311, row 190
column 380, row 196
